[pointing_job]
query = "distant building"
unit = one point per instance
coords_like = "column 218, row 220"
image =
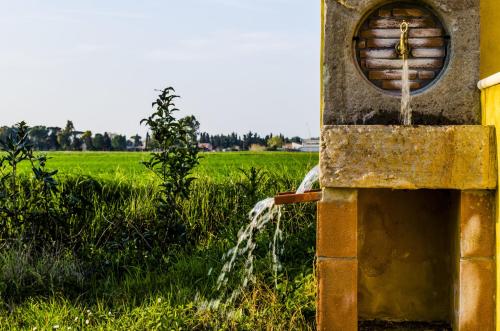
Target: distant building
column 293, row 147
column 310, row 145
column 136, row 148
column 206, row 147
column 257, row 148
column 234, row 148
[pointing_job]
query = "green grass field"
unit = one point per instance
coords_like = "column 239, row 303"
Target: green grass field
column 104, row 278
column 215, row 166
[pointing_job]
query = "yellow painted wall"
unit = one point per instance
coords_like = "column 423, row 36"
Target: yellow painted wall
column 490, row 37
column 490, row 99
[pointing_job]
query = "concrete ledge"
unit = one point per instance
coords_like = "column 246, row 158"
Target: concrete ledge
column 408, row 157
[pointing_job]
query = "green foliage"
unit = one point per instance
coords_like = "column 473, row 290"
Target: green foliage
column 119, row 143
column 26, row 270
column 64, row 137
column 21, row 203
column 172, row 163
column 34, row 209
column 98, row 142
column 275, row 142
column 12, row 205
column 87, row 140
column 254, row 179
column 99, row 261
column 220, row 167
column 106, row 142
column 136, row 141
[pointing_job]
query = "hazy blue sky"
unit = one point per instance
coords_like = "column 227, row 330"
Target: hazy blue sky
column 239, row 65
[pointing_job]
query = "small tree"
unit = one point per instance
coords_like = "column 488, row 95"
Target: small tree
column 119, row 143
column 106, row 142
column 172, row 163
column 274, row 143
column 64, row 137
column 137, row 140
column 87, row 140
column 98, row 142
column 23, row 206
column 15, row 149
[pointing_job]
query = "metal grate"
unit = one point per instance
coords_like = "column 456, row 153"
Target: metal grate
column 378, row 35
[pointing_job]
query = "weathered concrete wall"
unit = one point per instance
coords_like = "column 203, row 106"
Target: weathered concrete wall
column 490, row 37
column 398, row 157
column 405, row 262
column 348, row 98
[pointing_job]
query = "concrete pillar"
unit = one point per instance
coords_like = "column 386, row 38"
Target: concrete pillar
column 475, row 302
column 337, row 264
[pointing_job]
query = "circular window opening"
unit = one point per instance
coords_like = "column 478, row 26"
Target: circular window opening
column 378, row 36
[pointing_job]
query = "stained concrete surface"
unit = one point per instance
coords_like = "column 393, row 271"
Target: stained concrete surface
column 349, row 98
column 408, row 157
column 405, row 254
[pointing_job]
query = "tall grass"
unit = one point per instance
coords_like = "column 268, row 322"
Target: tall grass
column 105, row 275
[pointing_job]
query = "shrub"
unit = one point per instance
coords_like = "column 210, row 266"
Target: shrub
column 172, row 163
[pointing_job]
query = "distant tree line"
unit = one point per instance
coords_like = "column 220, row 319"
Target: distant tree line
column 49, row 138
column 235, row 141
column 53, row 138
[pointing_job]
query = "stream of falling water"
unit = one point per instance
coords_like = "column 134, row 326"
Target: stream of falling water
column 261, row 214
column 405, row 94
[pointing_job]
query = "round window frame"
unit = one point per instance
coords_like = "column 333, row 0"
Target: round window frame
column 419, row 4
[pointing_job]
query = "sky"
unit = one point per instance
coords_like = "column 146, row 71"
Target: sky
column 238, row 65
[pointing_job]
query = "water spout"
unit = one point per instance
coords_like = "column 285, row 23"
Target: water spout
column 403, row 50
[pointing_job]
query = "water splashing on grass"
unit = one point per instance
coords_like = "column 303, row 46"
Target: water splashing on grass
column 262, row 214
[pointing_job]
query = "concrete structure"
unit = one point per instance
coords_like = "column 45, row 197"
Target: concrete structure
column 412, row 255
column 349, row 98
column 406, row 223
column 399, row 157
